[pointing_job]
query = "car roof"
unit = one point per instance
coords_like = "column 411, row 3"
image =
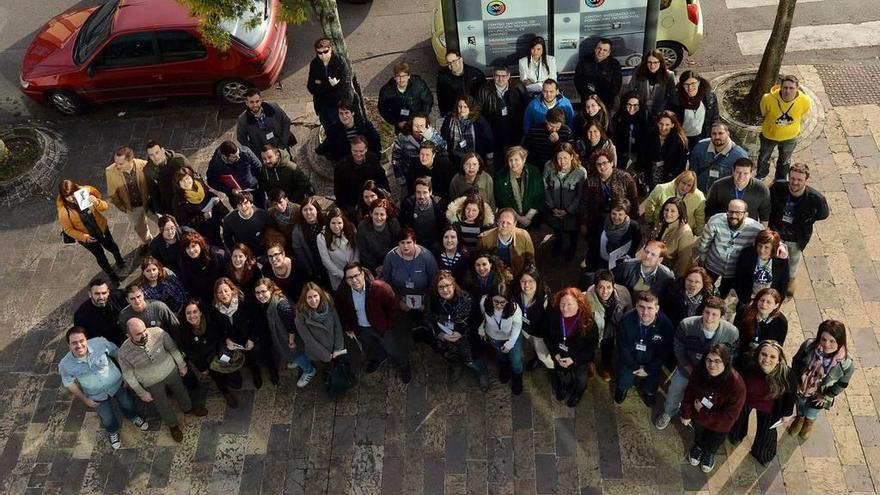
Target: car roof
column 150, row 15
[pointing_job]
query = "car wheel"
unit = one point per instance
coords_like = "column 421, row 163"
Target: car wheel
column 232, row 90
column 673, row 53
column 66, row 102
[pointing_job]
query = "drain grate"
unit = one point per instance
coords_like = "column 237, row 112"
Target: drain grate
column 851, row 84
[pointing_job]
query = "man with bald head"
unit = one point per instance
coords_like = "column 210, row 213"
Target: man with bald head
column 151, row 364
column 725, row 236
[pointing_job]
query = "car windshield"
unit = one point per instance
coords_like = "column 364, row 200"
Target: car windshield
column 95, row 30
column 240, row 30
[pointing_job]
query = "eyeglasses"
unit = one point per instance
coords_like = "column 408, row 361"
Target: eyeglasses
column 275, row 255
column 603, row 162
column 323, row 52
column 401, row 76
column 453, row 60
column 353, row 277
column 445, row 286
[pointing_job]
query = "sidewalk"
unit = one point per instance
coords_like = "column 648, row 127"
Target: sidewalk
column 426, row 437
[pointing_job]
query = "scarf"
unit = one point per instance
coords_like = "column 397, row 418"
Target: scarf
column 693, row 302
column 195, row 195
column 517, row 186
column 320, row 314
column 615, row 233
column 809, row 382
column 230, row 310
column 690, row 102
column 461, row 129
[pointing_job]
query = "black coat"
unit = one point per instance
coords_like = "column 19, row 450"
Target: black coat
column 249, row 134
column 710, row 102
column 102, row 322
column 603, row 79
column 484, row 141
column 775, row 329
column 407, row 218
column 336, row 146
column 594, row 239
column 324, row 95
column 811, row 208
column 662, row 163
column 244, row 325
column 507, row 129
column 441, row 174
column 624, row 129
column 348, row 179
column 198, row 277
column 581, row 347
column 201, row 350
column 396, row 107
column 450, row 86
column 745, row 275
column 657, row 341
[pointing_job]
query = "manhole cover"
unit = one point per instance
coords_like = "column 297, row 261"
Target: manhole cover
column 851, row 84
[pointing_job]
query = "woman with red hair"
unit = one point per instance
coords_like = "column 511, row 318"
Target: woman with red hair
column 571, row 337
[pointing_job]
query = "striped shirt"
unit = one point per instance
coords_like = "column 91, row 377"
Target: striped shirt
column 720, row 246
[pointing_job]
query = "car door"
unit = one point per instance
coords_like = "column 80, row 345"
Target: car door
column 188, row 66
column 126, row 67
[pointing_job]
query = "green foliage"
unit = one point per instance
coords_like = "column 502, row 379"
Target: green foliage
column 214, row 12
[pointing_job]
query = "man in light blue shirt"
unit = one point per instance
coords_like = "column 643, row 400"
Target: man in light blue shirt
column 92, row 377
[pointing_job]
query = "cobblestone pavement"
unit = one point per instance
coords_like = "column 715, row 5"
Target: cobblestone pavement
column 427, row 437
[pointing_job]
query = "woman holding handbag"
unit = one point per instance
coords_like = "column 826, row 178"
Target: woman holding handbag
column 202, row 344
column 81, row 219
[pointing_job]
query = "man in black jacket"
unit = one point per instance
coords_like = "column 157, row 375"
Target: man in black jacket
column 503, row 103
column 337, row 144
column 404, row 95
column 352, row 171
column 424, row 213
column 327, row 81
column 454, row 80
column 162, row 165
column 263, row 123
column 794, row 208
column 99, row 313
column 644, row 343
column 599, row 74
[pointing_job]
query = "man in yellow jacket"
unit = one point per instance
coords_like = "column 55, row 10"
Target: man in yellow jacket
column 783, row 109
column 127, row 189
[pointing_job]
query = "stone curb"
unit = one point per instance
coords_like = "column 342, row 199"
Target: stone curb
column 40, row 179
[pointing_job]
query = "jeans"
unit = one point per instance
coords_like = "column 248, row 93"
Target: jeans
column 626, row 379
column 675, row 392
column 802, row 404
column 105, row 409
column 786, row 148
column 97, row 248
column 795, row 255
column 514, row 357
column 301, row 360
column 328, row 114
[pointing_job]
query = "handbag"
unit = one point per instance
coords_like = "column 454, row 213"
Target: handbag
column 65, row 237
column 233, row 362
column 338, row 378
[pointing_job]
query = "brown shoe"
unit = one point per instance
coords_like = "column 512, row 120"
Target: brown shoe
column 807, row 428
column 605, row 375
column 591, row 370
column 231, row 400
column 176, row 434
column 197, row 411
column 795, row 427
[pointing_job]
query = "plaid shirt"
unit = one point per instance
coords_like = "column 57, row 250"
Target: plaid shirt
column 720, row 246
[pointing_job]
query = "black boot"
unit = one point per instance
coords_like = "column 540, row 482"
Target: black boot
column 258, row 377
column 516, row 385
column 504, row 373
column 111, row 274
column 533, row 363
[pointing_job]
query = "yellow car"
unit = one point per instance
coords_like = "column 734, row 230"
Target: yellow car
column 679, row 30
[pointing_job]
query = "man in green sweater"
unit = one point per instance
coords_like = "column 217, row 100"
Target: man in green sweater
column 741, row 185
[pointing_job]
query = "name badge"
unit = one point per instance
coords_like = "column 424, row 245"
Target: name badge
column 446, row 327
column 786, row 218
column 410, row 284
column 706, row 403
column 641, row 347
column 698, row 356
column 462, row 143
column 270, row 135
column 714, row 173
column 526, row 320
column 563, row 347
column 404, row 112
column 504, row 111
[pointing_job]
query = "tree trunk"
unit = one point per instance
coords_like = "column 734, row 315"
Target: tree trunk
column 771, row 62
column 328, row 16
column 3, row 151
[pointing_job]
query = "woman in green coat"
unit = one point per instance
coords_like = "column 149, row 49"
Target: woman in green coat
column 520, row 186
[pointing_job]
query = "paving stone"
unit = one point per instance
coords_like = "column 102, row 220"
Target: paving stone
column 866, row 345
column 160, row 470
column 862, row 146
column 858, row 479
column 566, row 444
column 546, row 476
column 435, row 476
column 456, row 446
column 392, row 475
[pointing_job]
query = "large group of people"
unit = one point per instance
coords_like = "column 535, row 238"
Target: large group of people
column 249, row 270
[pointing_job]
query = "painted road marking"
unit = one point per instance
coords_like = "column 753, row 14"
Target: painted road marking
column 805, row 38
column 745, row 4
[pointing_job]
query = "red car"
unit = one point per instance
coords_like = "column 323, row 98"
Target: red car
column 148, row 49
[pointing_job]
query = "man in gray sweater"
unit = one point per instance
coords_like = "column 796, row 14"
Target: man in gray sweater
column 741, row 185
column 694, row 336
column 151, row 364
column 152, row 313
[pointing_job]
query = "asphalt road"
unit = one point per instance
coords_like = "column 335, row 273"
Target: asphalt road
column 387, row 31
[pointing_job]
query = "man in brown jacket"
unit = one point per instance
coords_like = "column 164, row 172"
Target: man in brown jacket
column 510, row 242
column 128, row 190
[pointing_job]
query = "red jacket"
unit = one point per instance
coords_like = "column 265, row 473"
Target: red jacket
column 727, row 397
column 381, row 303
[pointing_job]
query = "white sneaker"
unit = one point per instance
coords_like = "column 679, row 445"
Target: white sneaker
column 114, row 441
column 141, row 423
column 306, row 378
